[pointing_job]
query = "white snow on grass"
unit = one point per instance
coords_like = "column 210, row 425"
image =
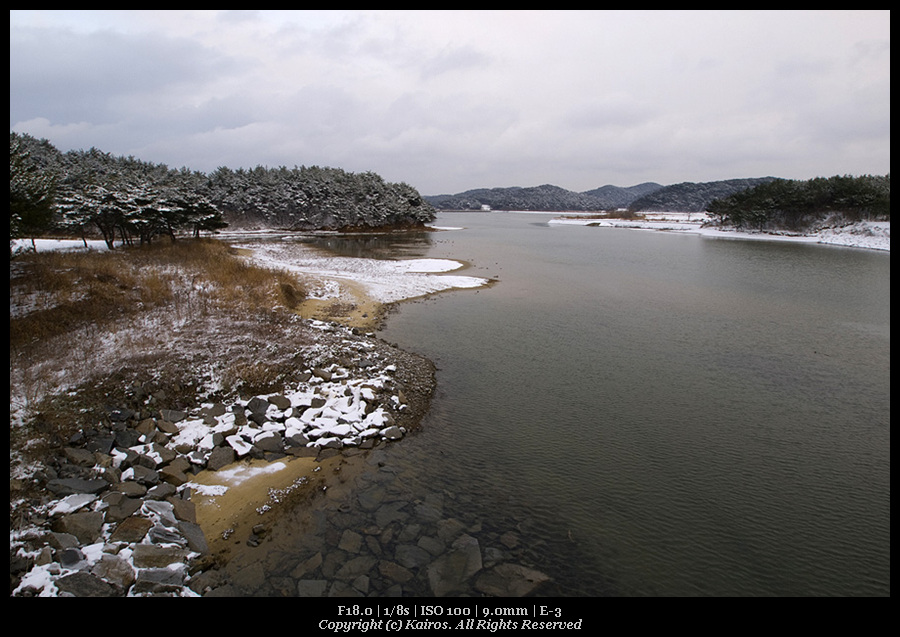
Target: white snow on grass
column 385, row 281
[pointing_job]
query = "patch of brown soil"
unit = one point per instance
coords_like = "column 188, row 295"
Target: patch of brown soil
column 354, row 309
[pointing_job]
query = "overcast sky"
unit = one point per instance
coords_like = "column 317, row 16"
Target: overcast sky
column 452, row 100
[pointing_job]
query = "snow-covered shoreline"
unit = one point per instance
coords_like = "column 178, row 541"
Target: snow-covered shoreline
column 872, row 235
column 384, row 281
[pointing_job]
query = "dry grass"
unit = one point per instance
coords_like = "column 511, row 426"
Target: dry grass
column 58, row 292
column 173, row 326
column 99, row 321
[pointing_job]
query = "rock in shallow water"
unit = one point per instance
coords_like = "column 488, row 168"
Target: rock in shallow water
column 509, row 580
column 151, row 459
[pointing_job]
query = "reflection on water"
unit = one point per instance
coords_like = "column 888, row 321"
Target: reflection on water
column 393, row 245
column 663, row 414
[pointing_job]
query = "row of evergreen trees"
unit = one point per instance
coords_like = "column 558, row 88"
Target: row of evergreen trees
column 129, row 200
column 798, row 204
column 312, row 197
column 122, row 198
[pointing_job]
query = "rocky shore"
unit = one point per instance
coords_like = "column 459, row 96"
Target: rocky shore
column 117, row 514
column 373, row 535
column 132, row 508
column 175, row 490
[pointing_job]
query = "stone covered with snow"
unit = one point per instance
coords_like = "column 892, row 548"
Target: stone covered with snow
column 118, row 519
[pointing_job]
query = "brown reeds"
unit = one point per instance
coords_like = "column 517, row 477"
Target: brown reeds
column 58, row 292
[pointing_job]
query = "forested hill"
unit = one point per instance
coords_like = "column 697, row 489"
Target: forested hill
column 312, row 197
column 546, row 197
column 799, row 205
column 612, row 197
column 692, row 197
column 133, row 200
column 650, row 196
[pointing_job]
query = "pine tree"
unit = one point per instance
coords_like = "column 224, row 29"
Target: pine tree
column 31, row 190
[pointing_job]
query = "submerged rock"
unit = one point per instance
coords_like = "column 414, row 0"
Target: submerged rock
column 509, row 580
column 451, row 572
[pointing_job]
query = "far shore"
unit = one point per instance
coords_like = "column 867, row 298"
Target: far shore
column 872, row 235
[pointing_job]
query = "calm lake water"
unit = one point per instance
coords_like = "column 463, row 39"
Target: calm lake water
column 656, row 413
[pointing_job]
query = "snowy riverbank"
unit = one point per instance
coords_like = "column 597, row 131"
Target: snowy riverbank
column 355, row 291
column 873, row 235
column 385, row 281
column 134, row 506
column 330, row 278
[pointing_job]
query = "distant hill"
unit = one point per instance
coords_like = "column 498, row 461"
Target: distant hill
column 546, row 197
column 692, row 197
column 610, row 197
column 683, row 197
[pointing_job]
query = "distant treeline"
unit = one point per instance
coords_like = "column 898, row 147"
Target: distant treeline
column 793, row 204
column 124, row 198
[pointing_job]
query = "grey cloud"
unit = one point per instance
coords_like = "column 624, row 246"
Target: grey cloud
column 452, row 59
column 613, row 111
column 458, row 99
column 69, row 77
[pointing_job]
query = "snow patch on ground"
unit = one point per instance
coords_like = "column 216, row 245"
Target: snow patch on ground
column 385, row 281
column 239, row 473
column 873, row 235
